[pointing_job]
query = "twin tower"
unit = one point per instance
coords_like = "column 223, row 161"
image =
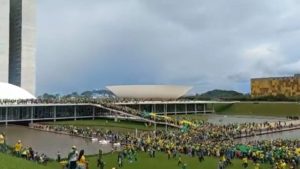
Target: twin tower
column 18, row 43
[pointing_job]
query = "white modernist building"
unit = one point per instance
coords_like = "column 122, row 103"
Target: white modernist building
column 17, row 43
column 149, row 91
column 22, row 44
column 4, row 40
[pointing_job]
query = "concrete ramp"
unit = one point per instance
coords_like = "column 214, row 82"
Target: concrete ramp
column 137, row 117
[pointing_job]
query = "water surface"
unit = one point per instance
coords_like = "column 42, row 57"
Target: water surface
column 50, row 143
column 218, row 119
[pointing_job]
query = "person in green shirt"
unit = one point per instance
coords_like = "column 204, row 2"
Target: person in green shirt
column 135, row 155
column 183, row 166
column 179, row 160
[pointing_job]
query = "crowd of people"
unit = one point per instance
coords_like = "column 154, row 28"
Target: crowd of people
column 278, row 153
column 205, row 131
column 85, row 100
column 200, row 142
column 18, row 150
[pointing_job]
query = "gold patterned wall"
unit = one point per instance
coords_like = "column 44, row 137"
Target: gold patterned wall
column 289, row 86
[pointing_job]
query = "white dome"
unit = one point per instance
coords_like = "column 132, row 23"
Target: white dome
column 9, row 91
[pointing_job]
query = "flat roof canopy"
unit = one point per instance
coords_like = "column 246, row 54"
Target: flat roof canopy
column 149, row 91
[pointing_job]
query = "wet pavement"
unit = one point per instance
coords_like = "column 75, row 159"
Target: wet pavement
column 50, row 143
column 218, row 119
column 294, row 134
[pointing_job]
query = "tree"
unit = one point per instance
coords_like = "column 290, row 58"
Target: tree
column 47, row 96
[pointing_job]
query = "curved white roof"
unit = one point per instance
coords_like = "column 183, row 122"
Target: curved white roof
column 9, row 91
column 149, row 91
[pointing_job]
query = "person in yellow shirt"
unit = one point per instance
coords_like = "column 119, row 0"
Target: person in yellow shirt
column 283, row 165
column 169, row 154
column 223, row 158
column 18, row 148
column 245, row 162
column 81, row 162
column 24, row 153
column 256, row 166
column 262, row 157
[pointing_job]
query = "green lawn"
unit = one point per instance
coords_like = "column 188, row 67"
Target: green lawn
column 111, row 124
column 260, row 109
column 144, row 162
column 192, row 116
column 10, row 162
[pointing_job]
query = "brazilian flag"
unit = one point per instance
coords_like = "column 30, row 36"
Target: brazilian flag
column 23, row 150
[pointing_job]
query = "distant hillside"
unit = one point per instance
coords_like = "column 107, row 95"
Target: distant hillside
column 217, row 93
column 214, row 94
column 85, row 94
column 98, row 94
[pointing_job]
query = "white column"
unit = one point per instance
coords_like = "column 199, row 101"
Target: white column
column 175, row 109
column 54, row 113
column 204, row 108
column 6, row 116
column 185, row 108
column 195, row 107
column 31, row 114
column 94, row 112
column 165, row 110
column 75, row 112
column 18, row 112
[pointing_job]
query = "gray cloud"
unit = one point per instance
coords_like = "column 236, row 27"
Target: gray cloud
column 211, row 44
column 239, row 77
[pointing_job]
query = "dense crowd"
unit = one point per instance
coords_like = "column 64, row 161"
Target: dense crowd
column 278, row 153
column 196, row 143
column 206, row 132
column 205, row 139
column 84, row 100
column 214, row 140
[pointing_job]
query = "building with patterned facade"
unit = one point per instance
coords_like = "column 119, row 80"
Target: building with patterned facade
column 288, row 86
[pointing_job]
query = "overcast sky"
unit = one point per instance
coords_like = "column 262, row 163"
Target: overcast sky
column 211, row 44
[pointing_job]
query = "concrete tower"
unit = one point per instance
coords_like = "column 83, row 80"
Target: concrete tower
column 4, row 40
column 22, row 43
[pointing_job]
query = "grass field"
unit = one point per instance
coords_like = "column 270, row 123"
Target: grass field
column 10, row 162
column 193, row 116
column 111, row 124
column 123, row 125
column 260, row 109
column 144, row 162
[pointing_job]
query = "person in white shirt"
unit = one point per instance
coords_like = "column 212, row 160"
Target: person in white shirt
column 73, row 158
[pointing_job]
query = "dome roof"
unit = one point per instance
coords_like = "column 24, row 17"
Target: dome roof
column 9, row 91
column 149, row 91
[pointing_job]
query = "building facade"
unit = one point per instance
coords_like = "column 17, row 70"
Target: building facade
column 288, row 86
column 22, row 44
column 4, row 40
